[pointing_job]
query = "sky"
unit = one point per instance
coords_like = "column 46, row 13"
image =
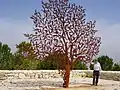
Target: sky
column 15, row 21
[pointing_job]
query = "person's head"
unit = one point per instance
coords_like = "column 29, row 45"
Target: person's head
column 95, row 61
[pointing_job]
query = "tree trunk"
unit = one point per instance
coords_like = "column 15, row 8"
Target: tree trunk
column 66, row 76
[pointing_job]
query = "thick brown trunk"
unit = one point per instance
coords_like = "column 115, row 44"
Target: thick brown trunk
column 66, row 76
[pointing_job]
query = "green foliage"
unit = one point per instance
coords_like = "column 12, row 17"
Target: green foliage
column 56, row 60
column 26, row 50
column 52, row 62
column 24, row 57
column 23, row 63
column 91, row 66
column 106, row 62
column 47, row 65
column 6, row 57
column 116, row 67
column 79, row 66
column 18, row 61
column 29, row 64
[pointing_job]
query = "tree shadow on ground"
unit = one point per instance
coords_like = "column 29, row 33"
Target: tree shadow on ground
column 36, row 83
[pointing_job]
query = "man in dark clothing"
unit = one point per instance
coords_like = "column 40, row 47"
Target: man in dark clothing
column 96, row 72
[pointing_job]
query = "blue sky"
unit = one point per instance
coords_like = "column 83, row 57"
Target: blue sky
column 14, row 21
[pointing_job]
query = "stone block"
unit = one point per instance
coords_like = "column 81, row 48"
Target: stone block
column 21, row 76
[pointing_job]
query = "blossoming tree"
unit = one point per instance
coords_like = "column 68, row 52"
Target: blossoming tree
column 61, row 27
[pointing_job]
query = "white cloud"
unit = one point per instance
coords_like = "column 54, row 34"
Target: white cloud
column 11, row 32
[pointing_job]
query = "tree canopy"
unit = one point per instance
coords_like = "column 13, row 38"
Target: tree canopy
column 62, row 28
column 106, row 62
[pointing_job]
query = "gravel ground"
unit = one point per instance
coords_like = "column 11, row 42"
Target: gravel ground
column 56, row 84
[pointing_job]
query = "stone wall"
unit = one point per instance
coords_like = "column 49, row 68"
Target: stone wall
column 108, row 75
column 46, row 74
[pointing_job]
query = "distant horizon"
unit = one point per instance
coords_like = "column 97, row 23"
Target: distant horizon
column 15, row 21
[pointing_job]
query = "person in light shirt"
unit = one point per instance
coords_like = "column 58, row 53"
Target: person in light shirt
column 96, row 72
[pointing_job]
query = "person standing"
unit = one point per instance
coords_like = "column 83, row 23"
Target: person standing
column 96, row 72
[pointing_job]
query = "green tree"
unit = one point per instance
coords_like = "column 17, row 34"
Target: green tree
column 56, row 61
column 79, row 66
column 29, row 64
column 26, row 50
column 106, row 62
column 6, row 57
column 18, row 59
column 116, row 67
column 53, row 61
column 24, row 57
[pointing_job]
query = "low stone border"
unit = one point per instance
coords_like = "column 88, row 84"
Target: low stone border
column 108, row 75
column 46, row 74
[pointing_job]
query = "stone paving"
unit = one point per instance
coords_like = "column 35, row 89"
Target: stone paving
column 56, row 84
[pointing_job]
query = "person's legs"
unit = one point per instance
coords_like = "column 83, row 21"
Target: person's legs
column 94, row 76
column 97, row 77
